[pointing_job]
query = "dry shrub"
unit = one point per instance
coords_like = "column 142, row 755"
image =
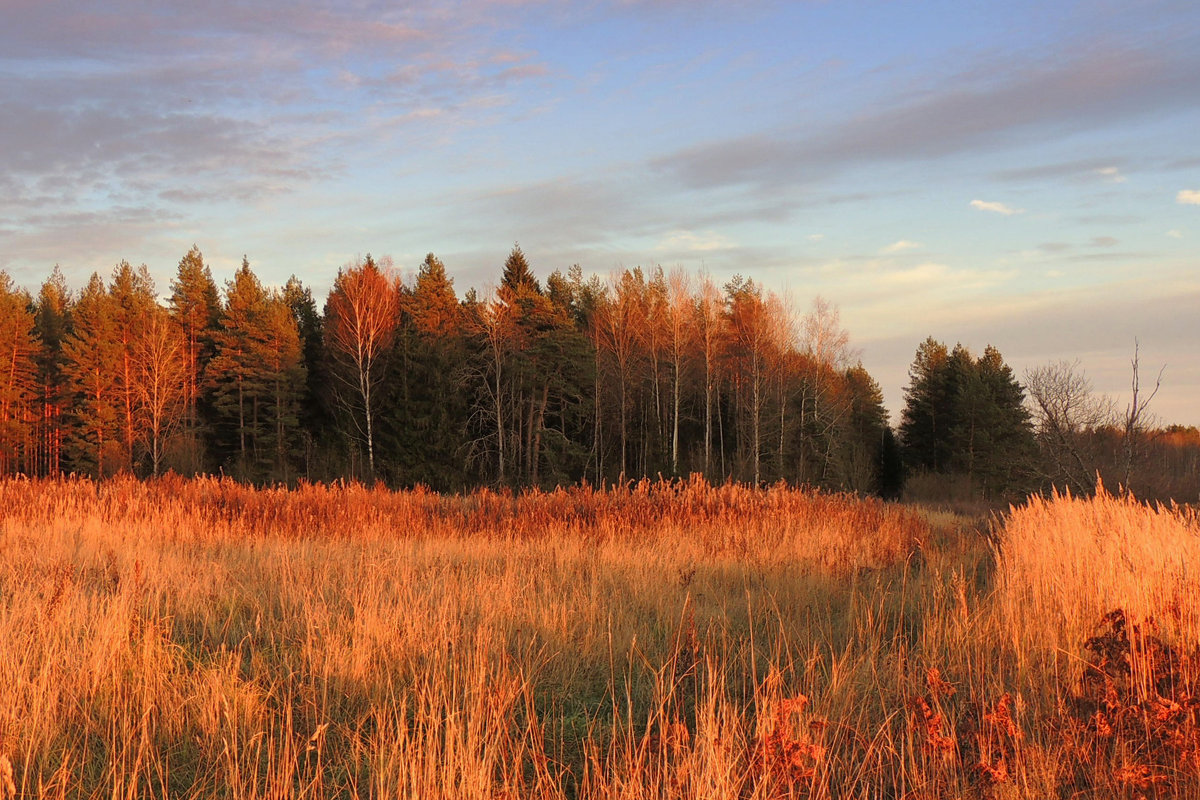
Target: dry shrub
column 1064, row 562
column 1134, row 723
column 1116, row 707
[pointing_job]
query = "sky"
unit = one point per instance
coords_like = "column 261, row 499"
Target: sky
column 1021, row 174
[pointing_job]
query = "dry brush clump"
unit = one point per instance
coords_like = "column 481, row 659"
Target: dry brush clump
column 1064, row 562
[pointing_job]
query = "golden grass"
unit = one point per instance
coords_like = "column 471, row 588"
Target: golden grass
column 204, row 639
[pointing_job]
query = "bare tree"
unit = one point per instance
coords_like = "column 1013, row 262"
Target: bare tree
column 618, row 334
column 362, row 314
column 493, row 322
column 823, row 407
column 1135, row 421
column 755, row 329
column 710, row 324
column 1066, row 411
column 160, row 362
column 679, row 319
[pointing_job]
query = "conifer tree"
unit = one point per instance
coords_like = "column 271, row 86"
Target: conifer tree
column 285, row 376
column 423, row 416
column 967, row 416
column 863, row 437
column 19, row 348
column 994, row 430
column 518, row 277
column 53, row 321
column 92, row 364
column 316, row 419
column 753, row 345
column 235, row 378
column 132, row 292
column 195, row 304
column 924, row 424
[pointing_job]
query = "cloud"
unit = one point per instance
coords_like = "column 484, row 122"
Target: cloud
column 1111, row 174
column 998, row 208
column 1188, row 197
column 691, row 241
column 1175, row 233
column 901, row 246
column 1104, row 241
column 1092, row 88
column 1076, row 170
column 816, row 237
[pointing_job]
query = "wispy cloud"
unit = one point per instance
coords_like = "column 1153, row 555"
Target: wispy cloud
column 1111, row 174
column 964, row 113
column 1188, row 197
column 1086, row 169
column 900, row 246
column 996, row 208
column 695, row 242
column 1175, row 233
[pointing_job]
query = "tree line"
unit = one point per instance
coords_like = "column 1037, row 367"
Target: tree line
column 645, row 373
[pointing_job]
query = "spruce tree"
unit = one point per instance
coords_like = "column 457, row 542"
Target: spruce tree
column 195, row 304
column 316, row 415
column 422, row 417
column 924, row 422
column 285, row 376
column 92, row 364
column 235, row 379
column 967, row 416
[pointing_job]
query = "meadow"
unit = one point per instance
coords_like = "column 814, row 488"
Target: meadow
column 199, row 638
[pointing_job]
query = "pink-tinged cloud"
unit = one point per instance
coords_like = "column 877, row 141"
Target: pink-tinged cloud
column 1188, row 197
column 996, row 208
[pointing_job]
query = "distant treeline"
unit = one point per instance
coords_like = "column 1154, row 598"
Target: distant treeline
column 580, row 379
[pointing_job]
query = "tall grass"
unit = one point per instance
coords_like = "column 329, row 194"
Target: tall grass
column 204, row 639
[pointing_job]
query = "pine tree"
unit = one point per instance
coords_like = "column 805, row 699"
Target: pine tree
column 422, row 416
column 967, row 416
column 924, row 423
column 235, row 378
column 92, row 364
column 19, row 348
column 316, row 416
column 864, row 434
column 132, row 292
column 994, row 430
column 195, row 305
column 53, row 320
column 285, row 376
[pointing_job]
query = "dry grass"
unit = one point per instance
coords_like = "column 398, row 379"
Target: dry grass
column 203, row 639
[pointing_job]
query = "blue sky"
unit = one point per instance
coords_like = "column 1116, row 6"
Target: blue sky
column 1025, row 174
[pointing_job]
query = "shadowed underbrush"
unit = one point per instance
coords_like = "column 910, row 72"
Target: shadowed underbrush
column 204, row 639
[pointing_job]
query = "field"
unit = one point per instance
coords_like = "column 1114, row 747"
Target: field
column 203, row 639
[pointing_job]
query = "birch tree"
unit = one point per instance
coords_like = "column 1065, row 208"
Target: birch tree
column 361, row 318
